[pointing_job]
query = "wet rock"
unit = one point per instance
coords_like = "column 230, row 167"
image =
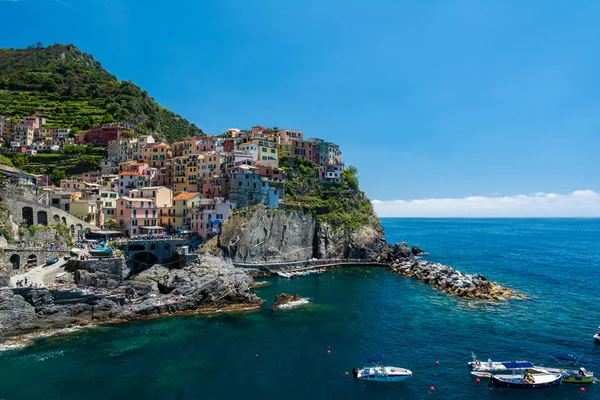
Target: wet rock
column 285, row 298
column 416, row 251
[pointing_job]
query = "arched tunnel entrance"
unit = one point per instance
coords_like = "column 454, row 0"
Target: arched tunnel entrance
column 142, row 261
column 15, row 260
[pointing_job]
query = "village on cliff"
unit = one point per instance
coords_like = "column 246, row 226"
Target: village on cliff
column 146, row 187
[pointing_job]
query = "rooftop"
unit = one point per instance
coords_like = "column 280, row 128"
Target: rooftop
column 185, row 196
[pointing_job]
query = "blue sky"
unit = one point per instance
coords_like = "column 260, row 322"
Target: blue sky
column 429, row 99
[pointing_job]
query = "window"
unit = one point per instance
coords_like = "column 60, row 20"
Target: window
column 121, row 212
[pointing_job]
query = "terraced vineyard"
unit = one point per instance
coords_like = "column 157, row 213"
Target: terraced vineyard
column 72, row 90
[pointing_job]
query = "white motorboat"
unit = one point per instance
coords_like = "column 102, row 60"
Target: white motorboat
column 597, row 336
column 376, row 371
column 485, row 368
column 284, row 274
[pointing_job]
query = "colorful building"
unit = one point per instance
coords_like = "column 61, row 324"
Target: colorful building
column 207, row 218
column 137, row 216
column 178, row 217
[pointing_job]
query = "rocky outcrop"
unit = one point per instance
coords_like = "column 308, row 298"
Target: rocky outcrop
column 449, row 280
column 285, row 298
column 281, row 235
column 107, row 273
column 416, row 251
column 208, row 284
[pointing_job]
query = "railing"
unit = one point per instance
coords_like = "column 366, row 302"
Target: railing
column 32, row 247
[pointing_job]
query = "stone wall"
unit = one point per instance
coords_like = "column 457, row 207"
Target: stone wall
column 23, row 205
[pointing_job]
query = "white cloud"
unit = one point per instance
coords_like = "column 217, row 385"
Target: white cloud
column 580, row 203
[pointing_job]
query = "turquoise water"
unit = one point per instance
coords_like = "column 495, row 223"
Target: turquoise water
column 353, row 313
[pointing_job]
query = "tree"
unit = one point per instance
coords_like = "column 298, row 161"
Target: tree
column 57, row 175
column 350, row 175
column 111, row 225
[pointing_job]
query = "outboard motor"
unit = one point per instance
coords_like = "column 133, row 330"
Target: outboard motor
column 355, row 372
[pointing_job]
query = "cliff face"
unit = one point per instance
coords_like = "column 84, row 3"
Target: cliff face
column 287, row 235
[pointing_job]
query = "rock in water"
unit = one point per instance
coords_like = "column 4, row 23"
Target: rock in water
column 285, row 298
column 416, row 251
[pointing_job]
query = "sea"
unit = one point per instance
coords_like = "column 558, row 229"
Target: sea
column 353, row 313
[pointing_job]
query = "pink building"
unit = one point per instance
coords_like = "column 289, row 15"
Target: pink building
column 207, row 219
column 285, row 135
column 31, row 122
column 137, row 216
column 330, row 173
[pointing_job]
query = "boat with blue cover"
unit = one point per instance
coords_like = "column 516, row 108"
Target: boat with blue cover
column 526, row 381
column 487, row 368
column 376, row 371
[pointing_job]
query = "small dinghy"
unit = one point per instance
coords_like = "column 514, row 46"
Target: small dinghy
column 597, row 336
column 527, row 381
column 375, row 371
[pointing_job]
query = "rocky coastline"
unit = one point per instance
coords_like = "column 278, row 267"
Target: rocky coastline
column 208, row 285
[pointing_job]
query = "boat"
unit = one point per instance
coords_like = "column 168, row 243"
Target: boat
column 526, row 381
column 580, row 376
column 597, row 336
column 101, row 251
column 52, row 260
column 485, row 368
column 376, row 371
column 284, row 274
column 573, row 375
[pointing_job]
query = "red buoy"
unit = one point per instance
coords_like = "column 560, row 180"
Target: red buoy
column 582, row 389
column 432, row 388
column 477, row 380
column 328, row 351
column 346, row 373
column 437, row 363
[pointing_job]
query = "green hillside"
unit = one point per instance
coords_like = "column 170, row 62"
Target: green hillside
column 71, row 89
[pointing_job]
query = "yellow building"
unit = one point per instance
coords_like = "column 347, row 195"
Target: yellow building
column 268, row 151
column 286, row 149
column 185, row 174
column 178, row 217
column 86, row 210
column 208, row 164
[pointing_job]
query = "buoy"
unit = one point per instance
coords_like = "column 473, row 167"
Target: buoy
column 582, row 389
column 437, row 363
column 432, row 388
column 477, row 380
column 346, row 373
column 256, row 355
column 328, row 351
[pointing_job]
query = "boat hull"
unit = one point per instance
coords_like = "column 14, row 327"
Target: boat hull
column 512, row 382
column 382, row 374
column 569, row 376
column 597, row 338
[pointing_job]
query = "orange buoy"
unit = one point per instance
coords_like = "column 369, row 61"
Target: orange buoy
column 477, row 380
column 437, row 363
column 582, row 389
column 432, row 388
column 346, row 373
